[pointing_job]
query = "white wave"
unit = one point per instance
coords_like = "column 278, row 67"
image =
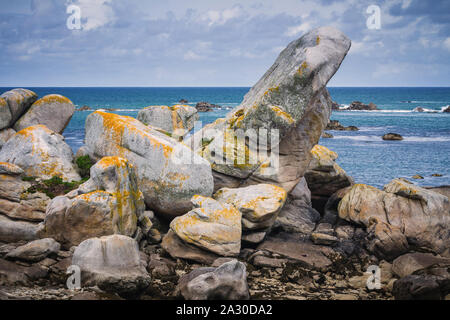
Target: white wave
column 379, row 139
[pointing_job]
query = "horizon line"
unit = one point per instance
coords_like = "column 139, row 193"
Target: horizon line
column 96, row 86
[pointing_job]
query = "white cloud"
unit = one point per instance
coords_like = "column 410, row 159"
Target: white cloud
column 95, row 13
column 297, row 30
column 191, row 55
column 220, row 17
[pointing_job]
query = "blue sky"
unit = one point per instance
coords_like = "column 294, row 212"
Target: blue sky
column 215, row 43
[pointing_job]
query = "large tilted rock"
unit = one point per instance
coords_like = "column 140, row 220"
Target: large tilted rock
column 421, row 215
column 211, row 225
column 291, row 98
column 169, row 173
column 108, row 203
column 41, row 153
column 176, row 120
column 35, row 250
column 54, row 111
column 324, row 176
column 227, row 282
column 13, row 104
column 409, row 263
column 113, row 264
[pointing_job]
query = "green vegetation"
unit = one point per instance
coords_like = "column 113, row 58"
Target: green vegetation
column 84, row 163
column 55, row 186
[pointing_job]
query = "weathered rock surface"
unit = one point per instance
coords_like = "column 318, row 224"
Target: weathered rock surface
column 409, row 263
column 336, row 125
column 108, row 203
column 258, row 204
column 54, row 111
column 35, row 250
column 324, row 176
column 113, row 264
column 41, row 153
column 15, row 230
column 15, row 200
column 177, row 248
column 421, row 215
column 227, row 282
column 13, row 104
column 291, row 98
column 211, row 225
column 5, row 135
column 296, row 249
column 168, row 172
column 176, row 120
column 392, row 136
column 358, row 105
column 205, row 106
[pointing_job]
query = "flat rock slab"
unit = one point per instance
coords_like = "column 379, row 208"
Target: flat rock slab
column 313, row 256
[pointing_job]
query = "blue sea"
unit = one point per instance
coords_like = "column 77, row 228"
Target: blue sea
column 363, row 154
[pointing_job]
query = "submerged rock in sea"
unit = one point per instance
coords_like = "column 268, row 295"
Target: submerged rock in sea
column 291, row 98
column 41, row 153
column 392, row 136
column 113, row 264
column 205, row 106
column 169, row 173
column 54, row 111
column 226, row 282
column 421, row 215
column 358, row 105
column 335, row 125
column 176, row 120
column 108, row 203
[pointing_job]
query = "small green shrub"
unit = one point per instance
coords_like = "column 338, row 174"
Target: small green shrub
column 84, row 163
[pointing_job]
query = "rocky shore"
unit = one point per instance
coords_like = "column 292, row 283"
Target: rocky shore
column 140, row 212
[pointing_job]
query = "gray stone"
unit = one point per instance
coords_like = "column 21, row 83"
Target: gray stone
column 113, row 264
column 13, row 230
column 411, row 262
column 35, row 251
column 5, row 135
column 227, row 282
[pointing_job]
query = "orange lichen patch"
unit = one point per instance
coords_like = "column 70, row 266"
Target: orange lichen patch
column 177, row 176
column 282, row 114
column 97, row 195
column 115, row 126
column 302, row 68
column 112, row 161
column 52, row 98
column 3, row 102
column 29, row 132
column 323, row 153
column 317, row 40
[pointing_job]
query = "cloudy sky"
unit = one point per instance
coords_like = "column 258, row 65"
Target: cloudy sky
column 215, row 42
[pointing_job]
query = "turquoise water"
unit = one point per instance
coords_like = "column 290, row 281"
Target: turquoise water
column 363, row 154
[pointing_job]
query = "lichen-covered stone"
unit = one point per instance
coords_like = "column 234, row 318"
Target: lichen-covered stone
column 41, row 153
column 258, row 204
column 54, row 111
column 169, row 173
column 211, row 225
column 5, row 135
column 108, row 203
column 176, row 120
column 18, row 101
column 291, row 98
